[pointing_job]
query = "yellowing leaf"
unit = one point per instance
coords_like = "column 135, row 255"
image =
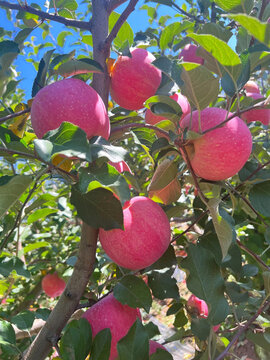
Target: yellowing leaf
column 62, row 162
column 19, row 124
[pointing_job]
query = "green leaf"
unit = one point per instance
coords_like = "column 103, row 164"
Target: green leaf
column 7, row 333
column 105, row 176
column 235, row 6
column 205, row 281
column 256, row 28
column 68, row 140
column 36, row 245
column 220, row 50
column 164, row 106
column 222, row 227
column 101, row 347
column 135, row 345
column 133, row 291
column 98, row 208
column 170, row 68
column 200, row 328
column 66, row 4
column 162, row 284
column 266, row 280
column 236, row 294
column 61, row 38
column 8, row 52
column 40, row 214
column 11, row 188
column 24, row 320
column 258, row 339
column 168, row 34
column 76, row 342
column 196, row 79
column 81, row 66
column 165, row 172
column 7, row 265
column 259, row 197
column 124, row 34
column 152, row 329
column 40, row 80
column 22, row 35
column 101, row 148
column 161, row 354
column 216, row 30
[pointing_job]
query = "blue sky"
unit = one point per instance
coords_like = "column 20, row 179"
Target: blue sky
column 138, row 20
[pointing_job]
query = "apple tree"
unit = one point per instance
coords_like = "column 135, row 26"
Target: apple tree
column 127, row 157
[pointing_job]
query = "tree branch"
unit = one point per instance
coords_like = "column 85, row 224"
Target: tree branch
column 262, row 308
column 83, row 25
column 113, row 4
column 251, row 253
column 11, row 116
column 70, row 298
column 123, row 17
column 138, row 125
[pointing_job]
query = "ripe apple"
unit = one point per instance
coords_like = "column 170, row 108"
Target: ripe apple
column 220, row 153
column 262, row 115
column 200, row 308
column 145, row 238
column 154, row 345
column 252, row 87
column 152, row 119
column 189, row 54
column 134, row 80
column 110, row 313
column 69, row 100
column 53, row 285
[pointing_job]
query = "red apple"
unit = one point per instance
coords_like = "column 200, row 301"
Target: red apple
column 154, row 345
column 189, row 54
column 220, row 153
column 252, row 87
column 262, row 115
column 110, row 313
column 69, row 100
column 198, row 306
column 53, row 285
column 152, row 119
column 146, row 236
column 134, row 80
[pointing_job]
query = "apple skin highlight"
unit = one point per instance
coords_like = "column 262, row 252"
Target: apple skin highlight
column 69, row 100
column 146, row 236
column 134, row 80
column 110, row 313
column 220, row 153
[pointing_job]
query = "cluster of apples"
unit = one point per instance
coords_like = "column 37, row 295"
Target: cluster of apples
column 111, row 314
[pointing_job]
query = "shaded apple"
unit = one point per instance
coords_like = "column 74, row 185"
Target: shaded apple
column 145, row 238
column 69, row 100
column 252, row 87
column 199, row 308
column 110, row 313
column 152, row 119
column 134, row 80
column 189, row 54
column 262, row 115
column 53, row 285
column 220, row 153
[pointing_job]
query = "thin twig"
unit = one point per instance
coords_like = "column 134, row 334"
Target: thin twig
column 123, row 17
column 193, row 17
column 138, row 125
column 84, row 25
column 237, row 113
column 113, row 4
column 264, row 4
column 251, row 253
column 262, row 308
column 11, row 116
